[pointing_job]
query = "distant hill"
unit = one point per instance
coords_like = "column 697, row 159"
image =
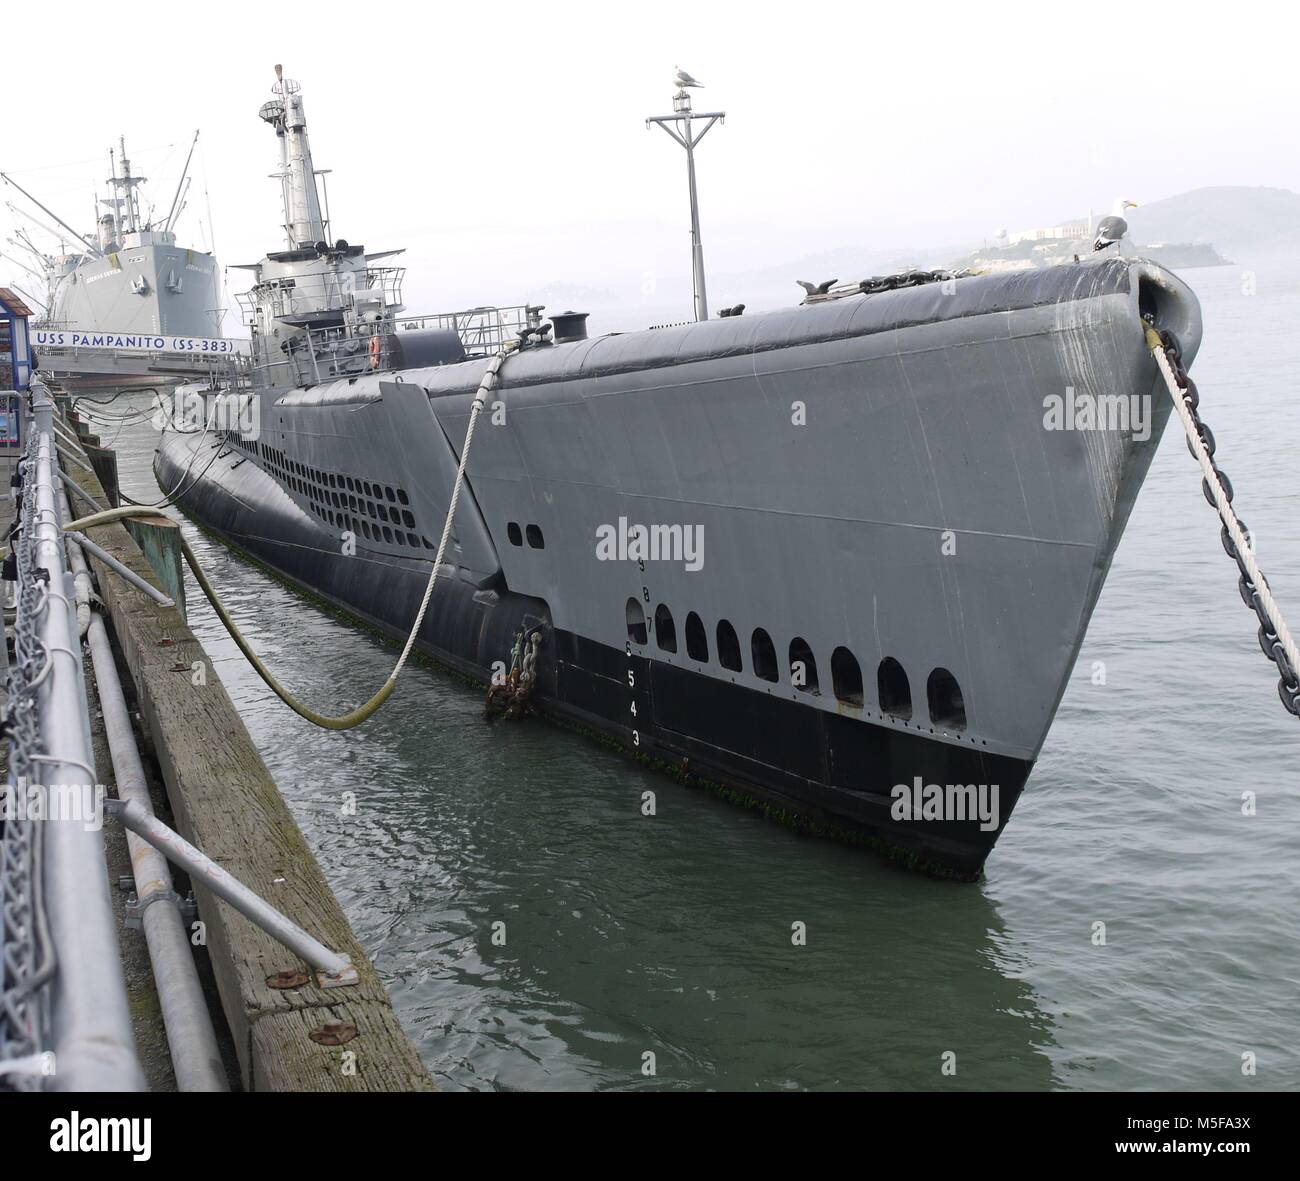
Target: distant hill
column 1241, row 222
column 1238, row 220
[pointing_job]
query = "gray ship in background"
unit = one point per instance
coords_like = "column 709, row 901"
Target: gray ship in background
column 833, row 560
column 127, row 306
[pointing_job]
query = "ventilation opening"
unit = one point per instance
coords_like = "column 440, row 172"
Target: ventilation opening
column 846, row 676
column 763, row 653
column 947, row 708
column 534, row 535
column 665, row 629
column 893, row 689
column 514, row 533
column 697, row 640
column 803, row 666
column 635, row 622
column 728, row 647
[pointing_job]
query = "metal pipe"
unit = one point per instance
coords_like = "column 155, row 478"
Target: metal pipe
column 72, row 486
column 94, row 1046
column 79, row 462
column 190, row 1037
column 697, row 247
column 124, row 571
column 225, row 885
column 191, row 1041
column 65, row 434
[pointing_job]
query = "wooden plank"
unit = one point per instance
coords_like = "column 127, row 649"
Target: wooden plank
column 345, row 1067
column 159, row 539
column 225, row 802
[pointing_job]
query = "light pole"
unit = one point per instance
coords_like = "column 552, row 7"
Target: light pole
column 678, row 125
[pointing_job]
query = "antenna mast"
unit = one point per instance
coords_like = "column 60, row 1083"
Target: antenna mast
column 682, row 131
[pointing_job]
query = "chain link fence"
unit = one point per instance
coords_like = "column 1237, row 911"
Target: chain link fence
column 27, row 961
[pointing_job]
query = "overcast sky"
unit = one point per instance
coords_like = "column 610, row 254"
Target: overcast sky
column 504, row 144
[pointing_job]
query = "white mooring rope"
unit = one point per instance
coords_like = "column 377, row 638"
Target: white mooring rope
column 1226, row 512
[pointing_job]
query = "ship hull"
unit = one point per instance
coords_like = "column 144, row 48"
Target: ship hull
column 876, row 491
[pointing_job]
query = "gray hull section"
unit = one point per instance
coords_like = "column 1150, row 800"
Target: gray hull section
column 871, row 482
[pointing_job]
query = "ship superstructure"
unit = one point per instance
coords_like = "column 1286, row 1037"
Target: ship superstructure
column 117, row 298
column 831, row 559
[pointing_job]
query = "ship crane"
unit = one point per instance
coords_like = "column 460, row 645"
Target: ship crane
column 84, row 243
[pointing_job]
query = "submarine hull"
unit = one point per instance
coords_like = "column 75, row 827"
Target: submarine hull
column 836, row 560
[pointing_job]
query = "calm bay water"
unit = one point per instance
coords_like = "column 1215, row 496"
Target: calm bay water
column 672, row 935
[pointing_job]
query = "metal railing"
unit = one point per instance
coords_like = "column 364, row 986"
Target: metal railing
column 64, row 1020
column 293, row 297
column 349, row 350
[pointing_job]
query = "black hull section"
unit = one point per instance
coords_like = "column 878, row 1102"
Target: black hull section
column 828, row 772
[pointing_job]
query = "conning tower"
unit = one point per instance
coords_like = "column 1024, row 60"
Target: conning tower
column 311, row 301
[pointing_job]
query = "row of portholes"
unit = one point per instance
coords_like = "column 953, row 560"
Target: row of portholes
column 532, row 532
column 355, row 499
column 894, row 691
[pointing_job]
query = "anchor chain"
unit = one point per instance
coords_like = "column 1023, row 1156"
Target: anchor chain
column 1274, row 637
column 511, row 695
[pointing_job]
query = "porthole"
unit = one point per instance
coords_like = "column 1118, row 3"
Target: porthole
column 697, row 639
column 665, row 629
column 947, row 707
column 893, row 690
column 846, row 677
column 514, row 533
column 636, row 630
column 762, row 654
column 534, row 535
column 728, row 647
column 803, row 666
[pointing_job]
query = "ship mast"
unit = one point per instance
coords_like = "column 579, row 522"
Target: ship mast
column 679, row 126
column 125, row 201
column 304, row 224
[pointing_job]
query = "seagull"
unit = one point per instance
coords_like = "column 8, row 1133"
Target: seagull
column 683, row 79
column 817, row 288
column 1111, row 229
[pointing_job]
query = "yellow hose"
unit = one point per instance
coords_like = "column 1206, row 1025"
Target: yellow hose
column 362, row 712
column 342, row 722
